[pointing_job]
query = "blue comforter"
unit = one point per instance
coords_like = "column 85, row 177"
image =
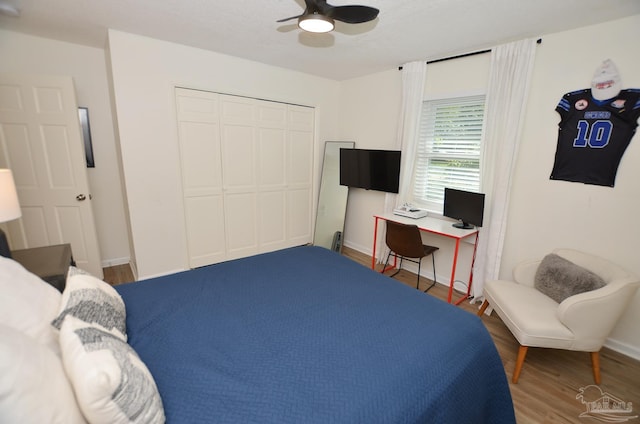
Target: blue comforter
column 305, row 335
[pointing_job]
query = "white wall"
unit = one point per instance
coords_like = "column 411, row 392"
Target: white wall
column 544, row 214
column 144, row 73
column 369, row 113
column 27, row 54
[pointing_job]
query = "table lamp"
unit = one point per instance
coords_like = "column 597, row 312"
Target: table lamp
column 9, row 207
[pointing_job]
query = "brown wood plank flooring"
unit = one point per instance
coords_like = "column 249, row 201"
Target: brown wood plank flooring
column 550, row 379
column 118, row 274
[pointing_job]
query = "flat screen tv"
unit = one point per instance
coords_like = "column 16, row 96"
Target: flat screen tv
column 465, row 206
column 370, row 169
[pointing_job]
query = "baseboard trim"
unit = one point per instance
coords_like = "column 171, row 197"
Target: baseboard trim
column 361, row 249
column 623, row 348
column 115, row 262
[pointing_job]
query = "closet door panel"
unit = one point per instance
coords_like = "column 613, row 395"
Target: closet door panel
column 300, row 118
column 299, row 216
column 272, row 220
column 238, row 157
column 237, row 110
column 300, row 174
column 200, row 157
column 300, row 132
column 272, row 155
column 240, row 224
column 300, row 168
column 205, row 230
column 201, row 169
column 197, row 106
column 271, row 114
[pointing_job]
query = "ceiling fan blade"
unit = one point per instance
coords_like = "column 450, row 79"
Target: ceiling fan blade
column 311, row 6
column 288, row 19
column 353, row 14
column 319, row 6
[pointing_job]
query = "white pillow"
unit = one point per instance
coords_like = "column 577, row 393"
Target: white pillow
column 111, row 383
column 94, row 302
column 76, row 271
column 27, row 303
column 33, row 385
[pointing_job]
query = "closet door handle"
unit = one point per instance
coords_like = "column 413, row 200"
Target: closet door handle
column 81, row 197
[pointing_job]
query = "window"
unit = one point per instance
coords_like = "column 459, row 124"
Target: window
column 449, row 149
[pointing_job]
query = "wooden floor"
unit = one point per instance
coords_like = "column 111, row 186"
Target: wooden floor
column 118, row 274
column 550, row 379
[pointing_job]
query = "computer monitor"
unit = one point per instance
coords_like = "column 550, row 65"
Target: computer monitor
column 465, row 206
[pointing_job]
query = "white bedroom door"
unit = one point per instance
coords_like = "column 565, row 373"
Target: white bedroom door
column 40, row 141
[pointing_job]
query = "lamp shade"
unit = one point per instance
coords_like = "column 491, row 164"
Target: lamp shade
column 9, row 205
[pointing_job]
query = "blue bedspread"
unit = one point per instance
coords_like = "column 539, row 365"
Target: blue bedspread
column 305, row 335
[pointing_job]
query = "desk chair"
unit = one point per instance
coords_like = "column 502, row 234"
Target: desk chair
column 404, row 241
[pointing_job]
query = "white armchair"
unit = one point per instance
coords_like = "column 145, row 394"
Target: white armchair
column 581, row 322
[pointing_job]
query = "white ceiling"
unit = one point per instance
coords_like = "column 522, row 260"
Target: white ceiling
column 405, row 30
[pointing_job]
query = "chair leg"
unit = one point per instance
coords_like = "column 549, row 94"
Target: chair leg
column 433, row 260
column 483, row 308
column 418, row 279
column 386, row 262
column 399, row 266
column 522, row 352
column 595, row 363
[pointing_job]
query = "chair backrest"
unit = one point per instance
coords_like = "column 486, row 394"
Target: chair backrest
column 591, row 316
column 608, row 270
column 404, row 240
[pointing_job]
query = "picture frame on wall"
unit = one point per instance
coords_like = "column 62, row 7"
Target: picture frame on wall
column 83, row 114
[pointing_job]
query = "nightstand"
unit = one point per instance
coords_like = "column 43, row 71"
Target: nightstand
column 51, row 263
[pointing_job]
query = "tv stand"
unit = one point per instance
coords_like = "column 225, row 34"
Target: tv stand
column 463, row 225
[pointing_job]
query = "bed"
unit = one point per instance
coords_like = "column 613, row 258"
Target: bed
column 305, row 335
column 302, row 335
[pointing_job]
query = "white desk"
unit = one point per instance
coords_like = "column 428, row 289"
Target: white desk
column 434, row 226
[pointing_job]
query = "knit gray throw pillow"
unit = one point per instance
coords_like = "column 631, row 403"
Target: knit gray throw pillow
column 559, row 278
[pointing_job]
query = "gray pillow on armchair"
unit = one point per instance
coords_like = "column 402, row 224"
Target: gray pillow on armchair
column 559, row 278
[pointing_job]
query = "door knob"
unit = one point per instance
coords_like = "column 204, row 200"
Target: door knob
column 80, row 197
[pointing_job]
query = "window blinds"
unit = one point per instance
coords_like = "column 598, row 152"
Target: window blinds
column 449, row 148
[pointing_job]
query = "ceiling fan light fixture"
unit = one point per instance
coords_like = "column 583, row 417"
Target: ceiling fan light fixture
column 316, row 23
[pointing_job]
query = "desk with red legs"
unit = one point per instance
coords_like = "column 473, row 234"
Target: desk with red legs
column 434, row 226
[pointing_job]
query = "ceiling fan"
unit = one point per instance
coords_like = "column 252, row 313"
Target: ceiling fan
column 319, row 16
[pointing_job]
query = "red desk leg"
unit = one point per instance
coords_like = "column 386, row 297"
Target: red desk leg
column 453, row 270
column 375, row 241
column 473, row 261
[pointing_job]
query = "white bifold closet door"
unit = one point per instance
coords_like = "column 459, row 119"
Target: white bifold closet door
column 246, row 174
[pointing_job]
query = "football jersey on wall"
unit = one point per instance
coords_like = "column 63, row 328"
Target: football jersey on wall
column 593, row 135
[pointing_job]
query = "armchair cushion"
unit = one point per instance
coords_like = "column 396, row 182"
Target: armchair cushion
column 560, row 278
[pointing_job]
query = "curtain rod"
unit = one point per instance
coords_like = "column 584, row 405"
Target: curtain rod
column 539, row 41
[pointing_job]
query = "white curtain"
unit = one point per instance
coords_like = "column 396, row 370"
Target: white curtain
column 509, row 79
column 413, row 76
